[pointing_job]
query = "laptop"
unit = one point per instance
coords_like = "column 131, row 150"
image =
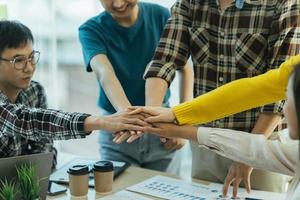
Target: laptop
column 61, row 175
column 42, row 162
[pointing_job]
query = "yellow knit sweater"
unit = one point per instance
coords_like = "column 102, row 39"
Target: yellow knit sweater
column 237, row 96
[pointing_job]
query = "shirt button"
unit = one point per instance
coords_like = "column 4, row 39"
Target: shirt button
column 222, row 33
column 221, row 79
column 222, row 56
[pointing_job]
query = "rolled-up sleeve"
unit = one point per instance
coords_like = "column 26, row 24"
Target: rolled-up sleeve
column 172, row 52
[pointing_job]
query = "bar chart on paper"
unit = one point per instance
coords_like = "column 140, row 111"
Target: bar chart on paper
column 170, row 188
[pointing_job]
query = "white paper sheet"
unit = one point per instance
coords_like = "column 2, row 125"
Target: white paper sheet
column 170, row 188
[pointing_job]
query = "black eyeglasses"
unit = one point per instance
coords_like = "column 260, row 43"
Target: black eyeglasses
column 20, row 62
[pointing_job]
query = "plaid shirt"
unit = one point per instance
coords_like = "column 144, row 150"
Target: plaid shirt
column 26, row 127
column 228, row 45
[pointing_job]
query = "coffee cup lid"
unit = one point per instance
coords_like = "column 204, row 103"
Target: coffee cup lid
column 103, row 166
column 78, row 170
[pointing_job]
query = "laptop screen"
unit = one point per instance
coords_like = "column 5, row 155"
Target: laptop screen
column 42, row 162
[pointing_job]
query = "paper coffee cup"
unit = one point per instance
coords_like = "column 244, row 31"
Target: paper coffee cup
column 78, row 180
column 103, row 175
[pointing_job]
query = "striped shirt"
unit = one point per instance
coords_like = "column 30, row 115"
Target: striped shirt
column 227, row 45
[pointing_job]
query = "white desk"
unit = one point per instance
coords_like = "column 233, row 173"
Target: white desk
column 131, row 176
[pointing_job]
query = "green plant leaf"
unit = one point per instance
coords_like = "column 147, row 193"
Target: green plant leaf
column 28, row 181
column 8, row 190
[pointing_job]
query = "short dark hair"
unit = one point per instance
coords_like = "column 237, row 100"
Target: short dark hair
column 296, row 91
column 13, row 34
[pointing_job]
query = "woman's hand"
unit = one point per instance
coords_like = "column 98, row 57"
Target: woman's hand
column 121, row 121
column 237, row 173
column 157, row 114
column 170, row 130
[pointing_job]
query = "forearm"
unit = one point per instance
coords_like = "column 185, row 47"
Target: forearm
column 93, row 123
column 186, row 83
column 266, row 124
column 188, row 132
column 170, row 130
column 156, row 89
column 114, row 91
column 109, row 82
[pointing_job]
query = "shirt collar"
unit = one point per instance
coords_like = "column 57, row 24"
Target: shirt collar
column 3, row 98
column 20, row 99
column 240, row 3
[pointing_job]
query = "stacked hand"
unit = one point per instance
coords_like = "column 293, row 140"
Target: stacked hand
column 154, row 114
column 133, row 123
column 151, row 116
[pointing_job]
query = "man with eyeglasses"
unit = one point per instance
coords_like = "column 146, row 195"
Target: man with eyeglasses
column 26, row 126
column 18, row 62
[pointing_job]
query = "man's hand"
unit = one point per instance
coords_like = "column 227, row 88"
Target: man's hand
column 121, row 136
column 165, row 130
column 148, row 113
column 173, row 144
column 122, row 121
column 238, row 172
column 157, row 114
